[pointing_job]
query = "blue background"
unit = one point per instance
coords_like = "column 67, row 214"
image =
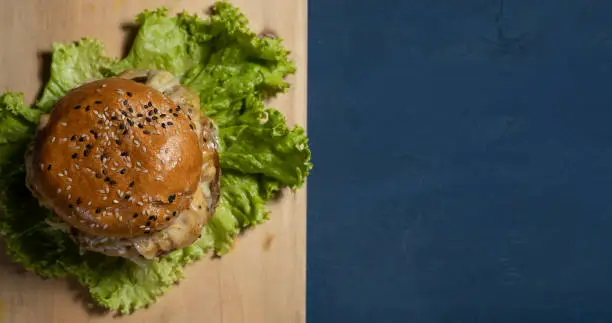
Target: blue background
column 463, row 161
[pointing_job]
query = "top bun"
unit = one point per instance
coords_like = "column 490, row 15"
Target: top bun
column 116, row 158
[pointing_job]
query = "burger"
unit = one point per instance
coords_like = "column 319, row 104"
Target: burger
column 128, row 165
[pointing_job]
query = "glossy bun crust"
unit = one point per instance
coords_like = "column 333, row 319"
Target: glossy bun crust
column 116, row 158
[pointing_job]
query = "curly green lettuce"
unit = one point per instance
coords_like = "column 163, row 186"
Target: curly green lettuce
column 234, row 71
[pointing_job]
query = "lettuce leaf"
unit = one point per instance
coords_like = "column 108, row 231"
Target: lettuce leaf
column 73, row 65
column 234, row 71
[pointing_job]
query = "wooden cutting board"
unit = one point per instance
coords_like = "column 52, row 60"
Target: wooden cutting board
column 263, row 279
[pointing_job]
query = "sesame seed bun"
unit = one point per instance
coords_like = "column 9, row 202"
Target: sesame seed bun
column 117, row 158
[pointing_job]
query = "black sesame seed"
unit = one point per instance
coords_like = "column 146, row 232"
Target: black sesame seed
column 49, row 167
column 150, row 113
column 163, row 125
column 125, row 132
column 78, row 201
column 148, row 119
column 124, row 113
column 175, row 115
column 174, row 213
column 125, row 102
column 113, row 182
column 102, row 157
column 178, row 108
column 104, row 171
column 156, row 111
column 88, row 146
column 82, row 139
column 148, row 224
column 152, row 218
column 170, row 110
column 122, row 171
column 131, row 184
column 86, row 152
column 74, row 155
column 124, row 153
column 167, row 218
column 171, row 198
column 70, row 206
column 77, row 107
column 122, row 126
column 87, row 108
column 98, row 210
column 139, row 115
column 129, row 94
column 135, row 215
column 98, row 102
column 140, row 126
column 127, row 197
column 170, row 123
column 163, row 115
column 154, row 118
column 191, row 126
column 131, row 110
column 146, row 132
column 150, row 104
column 107, row 179
column 98, row 175
column 73, row 138
column 113, row 118
column 118, row 142
column 130, row 122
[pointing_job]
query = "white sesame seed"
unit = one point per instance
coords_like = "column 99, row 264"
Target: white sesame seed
column 144, row 149
column 52, row 139
column 64, row 124
column 140, row 203
column 69, row 179
column 59, row 190
column 115, row 201
column 65, row 172
column 107, row 190
column 104, row 198
column 76, row 166
column 89, row 203
column 68, row 188
column 69, row 196
column 137, row 163
column 105, row 226
column 42, row 166
column 60, row 175
column 63, row 139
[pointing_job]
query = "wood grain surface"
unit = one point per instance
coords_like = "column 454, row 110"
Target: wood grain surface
column 263, row 278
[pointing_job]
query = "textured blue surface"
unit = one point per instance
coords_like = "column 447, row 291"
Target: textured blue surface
column 463, row 161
